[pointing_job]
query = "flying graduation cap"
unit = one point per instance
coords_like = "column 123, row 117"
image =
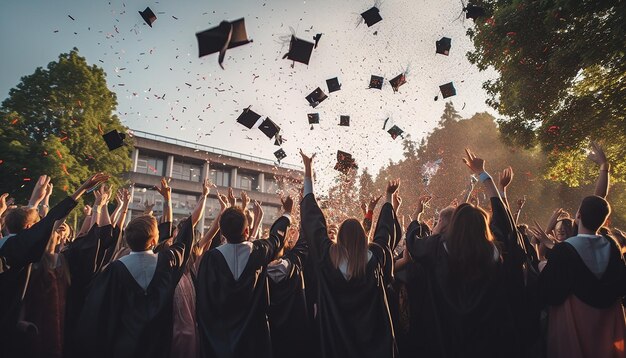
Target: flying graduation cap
column 148, row 16
column 344, row 121
column 280, row 154
column 299, row 50
column 372, row 16
column 333, row 85
column 397, row 81
column 317, row 38
column 345, row 162
column 225, row 36
column 278, row 139
column 376, row 82
column 473, row 11
column 114, row 139
column 248, row 118
column 395, row 131
column 443, row 46
column 269, row 128
column 447, row 90
column 314, row 118
column 316, row 97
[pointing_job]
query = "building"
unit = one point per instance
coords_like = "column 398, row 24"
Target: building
column 188, row 164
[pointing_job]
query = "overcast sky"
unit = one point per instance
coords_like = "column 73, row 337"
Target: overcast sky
column 202, row 101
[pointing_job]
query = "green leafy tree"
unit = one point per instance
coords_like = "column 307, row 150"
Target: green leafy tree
column 562, row 78
column 366, row 186
column 51, row 123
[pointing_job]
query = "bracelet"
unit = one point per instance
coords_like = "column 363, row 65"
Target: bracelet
column 484, row 176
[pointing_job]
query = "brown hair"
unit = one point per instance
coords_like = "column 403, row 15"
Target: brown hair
column 17, row 219
column 351, row 245
column 470, row 244
column 593, row 212
column 233, row 223
column 140, row 231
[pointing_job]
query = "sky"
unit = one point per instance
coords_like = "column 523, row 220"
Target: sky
column 163, row 87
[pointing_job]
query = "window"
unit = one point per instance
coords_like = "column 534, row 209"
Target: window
column 212, row 209
column 150, row 165
column 141, row 195
column 270, row 214
column 271, row 186
column 220, row 177
column 183, row 203
column 188, row 172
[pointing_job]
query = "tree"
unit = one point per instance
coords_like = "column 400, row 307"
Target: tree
column 366, row 186
column 562, row 78
column 450, row 114
column 51, row 123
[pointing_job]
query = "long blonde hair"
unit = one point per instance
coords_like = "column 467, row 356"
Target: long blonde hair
column 351, row 246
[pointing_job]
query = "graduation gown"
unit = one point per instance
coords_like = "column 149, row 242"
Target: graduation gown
column 121, row 319
column 288, row 317
column 232, row 313
column 16, row 255
column 474, row 319
column 354, row 314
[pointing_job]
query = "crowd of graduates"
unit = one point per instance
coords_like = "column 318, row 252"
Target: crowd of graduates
column 473, row 282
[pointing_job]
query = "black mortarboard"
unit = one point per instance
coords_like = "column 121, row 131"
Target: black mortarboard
column 333, row 85
column 219, row 39
column 447, row 90
column 269, row 128
column 371, row 16
column 278, row 140
column 248, row 118
column 345, row 162
column 344, row 121
column 114, row 139
column 395, row 131
column 443, row 45
column 397, row 81
column 376, row 82
column 473, row 12
column 299, row 50
column 316, row 97
column 148, row 16
column 280, row 154
column 314, row 118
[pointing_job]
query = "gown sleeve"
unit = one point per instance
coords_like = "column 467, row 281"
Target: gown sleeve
column 314, row 227
column 385, row 233
column 274, row 242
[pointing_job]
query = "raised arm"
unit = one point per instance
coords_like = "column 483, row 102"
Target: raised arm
column 504, row 179
column 166, row 193
column 554, row 219
column 258, row 219
column 87, row 210
column 597, row 156
column 470, row 188
column 102, row 210
column 39, row 191
column 385, row 227
column 278, row 231
column 198, row 212
column 520, row 205
column 121, row 218
column 3, row 206
column 45, row 204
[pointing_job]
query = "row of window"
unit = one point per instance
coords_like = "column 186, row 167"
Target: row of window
column 191, row 172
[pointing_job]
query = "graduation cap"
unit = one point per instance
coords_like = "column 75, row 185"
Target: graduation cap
column 344, row 121
column 278, row 140
column 248, row 118
column 345, row 162
column 395, row 131
column 447, row 90
column 371, row 16
column 333, row 85
column 280, row 154
column 397, row 81
column 314, row 118
column 473, row 11
column 317, row 38
column 443, row 45
column 269, row 128
column 316, row 97
column 148, row 16
column 376, row 82
column 114, row 139
column 299, row 50
column 219, row 39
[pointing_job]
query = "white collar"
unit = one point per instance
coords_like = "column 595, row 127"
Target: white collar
column 147, row 252
column 588, row 235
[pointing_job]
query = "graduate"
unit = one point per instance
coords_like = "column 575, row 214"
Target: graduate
column 25, row 244
column 128, row 312
column 232, row 291
column 354, row 313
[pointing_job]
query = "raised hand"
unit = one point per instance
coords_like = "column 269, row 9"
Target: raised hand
column 39, row 191
column 392, row 186
column 87, row 210
column 125, row 196
column 521, row 202
column 364, row 208
column 223, row 201
column 245, row 200
column 422, row 202
column 543, row 238
column 505, row 177
column 597, row 154
column 257, row 210
column 373, row 202
column 3, row 203
column 474, row 163
column 164, row 190
column 308, row 163
column 206, row 187
column 231, row 197
column 396, row 200
column 287, row 203
column 147, row 207
column 94, row 181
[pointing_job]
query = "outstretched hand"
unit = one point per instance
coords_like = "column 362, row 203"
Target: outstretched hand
column 206, row 187
column 597, row 154
column 39, row 191
column 505, row 177
column 89, row 184
column 396, row 200
column 373, row 202
column 3, row 203
column 392, row 186
column 474, row 163
column 223, row 201
column 245, row 200
column 307, row 160
column 422, row 202
column 287, row 203
column 164, row 189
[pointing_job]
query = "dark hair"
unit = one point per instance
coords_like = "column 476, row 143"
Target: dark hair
column 593, row 212
column 470, row 244
column 233, row 223
column 17, row 219
column 140, row 231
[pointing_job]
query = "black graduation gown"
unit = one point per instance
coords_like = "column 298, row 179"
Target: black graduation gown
column 231, row 314
column 566, row 274
column 120, row 319
column 16, row 255
column 289, row 323
column 354, row 314
column 473, row 319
